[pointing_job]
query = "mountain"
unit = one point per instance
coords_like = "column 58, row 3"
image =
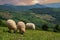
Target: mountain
column 20, row 8
column 53, row 5
column 9, row 7
column 38, row 6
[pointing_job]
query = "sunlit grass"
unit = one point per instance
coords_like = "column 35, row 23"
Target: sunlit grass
column 29, row 35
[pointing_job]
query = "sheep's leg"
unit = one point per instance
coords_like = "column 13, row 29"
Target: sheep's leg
column 15, row 30
column 9, row 30
column 22, row 33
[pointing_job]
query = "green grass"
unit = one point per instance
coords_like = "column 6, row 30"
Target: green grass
column 29, row 35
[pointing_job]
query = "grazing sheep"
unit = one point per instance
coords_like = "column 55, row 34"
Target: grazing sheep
column 30, row 26
column 21, row 27
column 11, row 25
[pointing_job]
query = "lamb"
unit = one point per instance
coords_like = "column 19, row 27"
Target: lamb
column 30, row 26
column 21, row 27
column 11, row 25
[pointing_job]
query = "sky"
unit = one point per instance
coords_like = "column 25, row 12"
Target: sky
column 27, row 2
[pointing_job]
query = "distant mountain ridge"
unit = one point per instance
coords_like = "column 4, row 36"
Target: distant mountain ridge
column 53, row 5
column 21, row 7
column 27, row 7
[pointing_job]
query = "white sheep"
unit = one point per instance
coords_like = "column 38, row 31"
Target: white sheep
column 21, row 27
column 11, row 25
column 30, row 26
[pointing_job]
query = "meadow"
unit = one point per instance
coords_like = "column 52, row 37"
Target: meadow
column 29, row 16
column 29, row 35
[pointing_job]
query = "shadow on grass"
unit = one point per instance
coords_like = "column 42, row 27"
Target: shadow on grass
column 17, row 32
column 50, row 31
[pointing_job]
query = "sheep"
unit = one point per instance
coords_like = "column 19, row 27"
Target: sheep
column 30, row 26
column 11, row 25
column 21, row 27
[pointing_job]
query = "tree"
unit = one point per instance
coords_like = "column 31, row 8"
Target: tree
column 45, row 27
column 56, row 28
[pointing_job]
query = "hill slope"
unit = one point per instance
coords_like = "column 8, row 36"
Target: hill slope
column 54, row 13
column 26, row 16
column 30, row 34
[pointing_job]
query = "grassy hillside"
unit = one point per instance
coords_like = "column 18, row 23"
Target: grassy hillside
column 53, row 13
column 29, row 35
column 26, row 16
column 39, row 17
column 56, row 9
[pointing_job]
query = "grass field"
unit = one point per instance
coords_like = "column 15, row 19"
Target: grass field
column 29, row 35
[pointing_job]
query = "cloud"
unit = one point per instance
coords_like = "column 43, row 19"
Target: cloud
column 50, row 1
column 27, row 2
column 16, row 2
